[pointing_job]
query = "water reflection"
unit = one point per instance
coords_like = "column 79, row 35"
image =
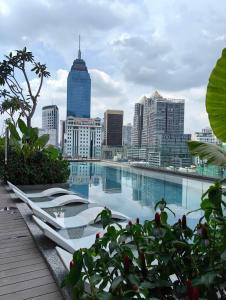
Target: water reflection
column 134, row 192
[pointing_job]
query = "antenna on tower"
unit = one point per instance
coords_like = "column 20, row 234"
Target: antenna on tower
column 79, row 51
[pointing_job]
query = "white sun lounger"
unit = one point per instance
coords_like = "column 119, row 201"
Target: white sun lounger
column 65, row 256
column 83, row 218
column 71, row 245
column 58, row 201
column 45, row 193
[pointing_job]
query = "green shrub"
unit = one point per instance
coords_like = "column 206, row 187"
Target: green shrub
column 39, row 168
column 30, row 160
column 155, row 260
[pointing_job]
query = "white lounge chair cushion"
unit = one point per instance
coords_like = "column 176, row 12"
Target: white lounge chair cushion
column 63, row 200
column 69, row 245
column 45, row 193
column 83, row 218
column 58, row 201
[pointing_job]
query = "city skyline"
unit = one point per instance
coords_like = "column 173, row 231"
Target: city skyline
column 126, row 59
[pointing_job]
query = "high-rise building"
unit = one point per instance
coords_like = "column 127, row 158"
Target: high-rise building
column 113, row 121
column 162, row 116
column 82, row 137
column 162, row 131
column 126, row 134
column 50, row 123
column 205, row 136
column 78, row 89
column 138, row 123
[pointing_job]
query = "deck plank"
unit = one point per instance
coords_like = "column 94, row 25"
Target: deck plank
column 23, row 271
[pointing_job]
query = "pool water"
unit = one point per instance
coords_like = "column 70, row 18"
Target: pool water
column 134, row 192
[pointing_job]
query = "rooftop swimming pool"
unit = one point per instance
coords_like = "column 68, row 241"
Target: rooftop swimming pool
column 134, row 192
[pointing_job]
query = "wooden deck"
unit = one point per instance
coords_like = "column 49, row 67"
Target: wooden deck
column 23, row 271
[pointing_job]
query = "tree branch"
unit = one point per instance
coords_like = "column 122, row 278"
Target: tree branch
column 11, row 88
column 27, row 81
column 40, row 86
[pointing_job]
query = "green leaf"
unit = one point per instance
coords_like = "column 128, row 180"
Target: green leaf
column 212, row 153
column 88, row 262
column 223, row 255
column 163, row 217
column 116, row 282
column 14, row 132
column 109, row 296
column 42, row 141
column 206, row 279
column 216, row 98
column 52, row 152
column 23, row 127
column 206, row 204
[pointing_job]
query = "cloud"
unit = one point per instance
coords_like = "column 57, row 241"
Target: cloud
column 103, row 86
column 130, row 47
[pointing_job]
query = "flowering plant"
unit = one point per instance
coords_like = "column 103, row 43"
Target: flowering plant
column 156, row 260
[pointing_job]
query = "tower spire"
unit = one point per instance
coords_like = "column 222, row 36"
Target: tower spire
column 79, row 51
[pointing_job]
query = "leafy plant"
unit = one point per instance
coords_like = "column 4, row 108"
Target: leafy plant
column 29, row 142
column 216, row 109
column 14, row 97
column 30, row 160
column 155, row 260
column 39, row 168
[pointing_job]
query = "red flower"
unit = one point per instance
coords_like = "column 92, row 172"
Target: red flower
column 189, row 288
column 72, row 264
column 97, row 236
column 157, row 219
column 195, row 293
column 130, row 223
column 138, row 221
column 204, row 232
column 135, row 288
column 126, row 263
column 184, row 222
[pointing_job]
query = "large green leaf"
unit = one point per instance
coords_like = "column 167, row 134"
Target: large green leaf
column 52, row 152
column 216, row 98
column 14, row 134
column 23, row 127
column 42, row 141
column 212, row 153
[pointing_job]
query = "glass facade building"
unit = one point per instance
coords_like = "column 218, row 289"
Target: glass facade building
column 78, row 89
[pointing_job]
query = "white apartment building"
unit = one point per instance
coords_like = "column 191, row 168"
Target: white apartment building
column 205, row 136
column 50, row 122
column 83, row 137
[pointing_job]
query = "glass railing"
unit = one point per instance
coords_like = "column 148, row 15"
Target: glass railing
column 172, row 161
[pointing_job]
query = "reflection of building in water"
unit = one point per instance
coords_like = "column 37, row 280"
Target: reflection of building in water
column 149, row 190
column 111, row 180
column 82, row 175
column 126, row 173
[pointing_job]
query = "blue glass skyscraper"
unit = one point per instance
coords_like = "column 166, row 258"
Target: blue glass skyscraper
column 78, row 89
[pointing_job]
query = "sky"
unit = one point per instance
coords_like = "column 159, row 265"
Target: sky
column 131, row 48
